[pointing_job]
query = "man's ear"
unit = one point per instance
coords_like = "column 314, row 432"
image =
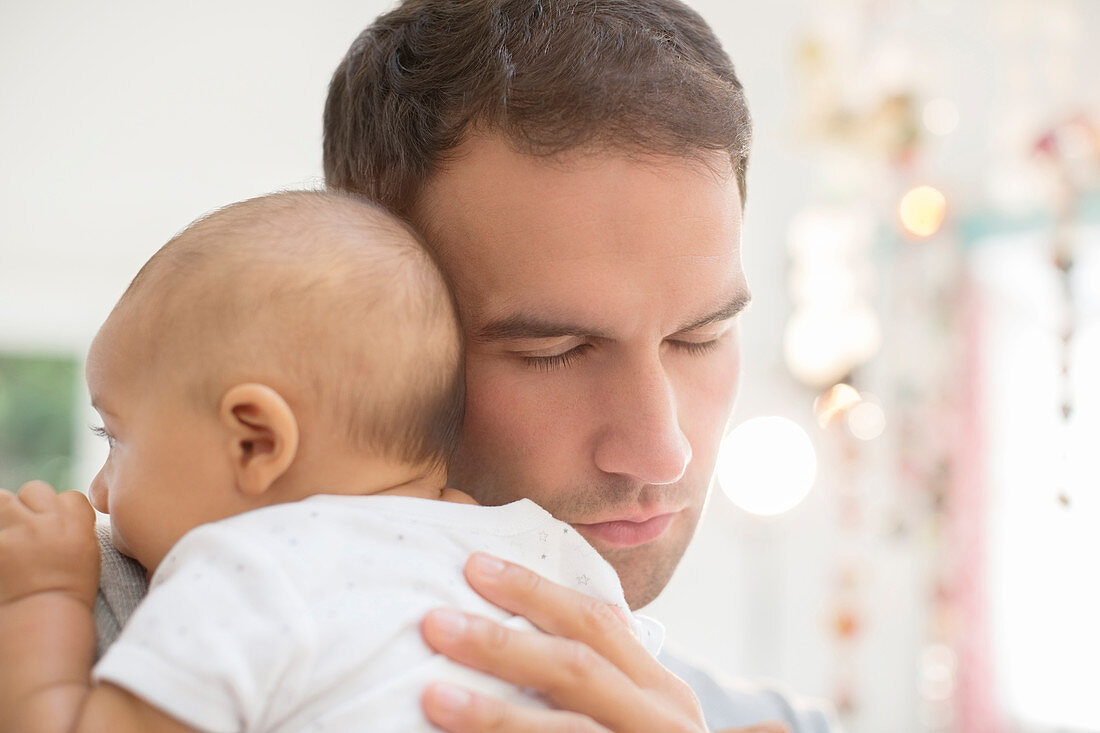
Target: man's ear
column 263, row 433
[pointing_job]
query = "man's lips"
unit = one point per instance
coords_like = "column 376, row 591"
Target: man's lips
column 626, row 532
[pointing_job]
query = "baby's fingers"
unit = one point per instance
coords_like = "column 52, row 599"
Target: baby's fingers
column 12, row 511
column 38, row 496
column 77, row 507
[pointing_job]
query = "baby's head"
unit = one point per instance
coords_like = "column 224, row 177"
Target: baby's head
column 295, row 344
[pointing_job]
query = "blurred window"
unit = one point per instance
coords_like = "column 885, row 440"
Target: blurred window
column 38, row 406
column 1043, row 475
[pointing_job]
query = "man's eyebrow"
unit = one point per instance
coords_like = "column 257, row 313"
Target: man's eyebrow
column 519, row 327
column 738, row 303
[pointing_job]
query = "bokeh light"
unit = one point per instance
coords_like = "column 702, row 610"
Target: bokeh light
column 823, row 344
column 766, row 465
column 866, row 420
column 836, row 401
column 922, row 211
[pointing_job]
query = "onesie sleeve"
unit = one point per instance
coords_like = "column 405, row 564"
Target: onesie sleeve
column 222, row 641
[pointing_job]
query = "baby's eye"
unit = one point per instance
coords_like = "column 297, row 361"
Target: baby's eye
column 102, row 432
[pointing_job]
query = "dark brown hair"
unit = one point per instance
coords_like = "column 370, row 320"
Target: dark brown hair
column 552, row 75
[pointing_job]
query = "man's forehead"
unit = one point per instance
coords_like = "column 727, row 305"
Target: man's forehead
column 486, row 180
column 594, row 244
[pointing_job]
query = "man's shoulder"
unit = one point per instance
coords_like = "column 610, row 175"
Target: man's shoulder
column 122, row 585
column 729, row 703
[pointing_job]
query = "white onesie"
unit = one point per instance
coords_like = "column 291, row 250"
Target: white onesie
column 305, row 616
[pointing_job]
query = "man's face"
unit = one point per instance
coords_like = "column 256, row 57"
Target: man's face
column 598, row 294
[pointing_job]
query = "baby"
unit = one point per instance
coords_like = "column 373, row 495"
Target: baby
column 280, row 386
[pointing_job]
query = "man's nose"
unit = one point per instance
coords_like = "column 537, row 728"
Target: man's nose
column 641, row 435
column 97, row 493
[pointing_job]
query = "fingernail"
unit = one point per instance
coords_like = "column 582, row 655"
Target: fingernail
column 451, row 698
column 488, row 565
column 450, row 623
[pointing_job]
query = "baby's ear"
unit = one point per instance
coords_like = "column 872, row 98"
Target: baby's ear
column 263, row 433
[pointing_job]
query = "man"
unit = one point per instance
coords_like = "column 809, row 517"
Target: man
column 578, row 166
column 579, row 169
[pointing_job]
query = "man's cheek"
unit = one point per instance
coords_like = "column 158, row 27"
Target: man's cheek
column 517, row 404
column 711, row 410
column 501, row 430
column 705, row 429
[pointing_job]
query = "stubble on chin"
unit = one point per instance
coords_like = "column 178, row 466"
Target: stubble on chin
column 645, row 571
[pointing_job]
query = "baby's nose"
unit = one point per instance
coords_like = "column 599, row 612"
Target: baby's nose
column 97, row 494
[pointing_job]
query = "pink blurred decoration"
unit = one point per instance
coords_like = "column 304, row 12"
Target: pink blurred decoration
column 977, row 710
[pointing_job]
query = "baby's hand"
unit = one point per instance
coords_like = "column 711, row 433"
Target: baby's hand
column 47, row 543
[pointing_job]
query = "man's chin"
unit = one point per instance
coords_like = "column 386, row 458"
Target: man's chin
column 643, row 573
column 645, row 570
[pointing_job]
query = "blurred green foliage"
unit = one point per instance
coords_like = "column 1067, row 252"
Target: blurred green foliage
column 38, row 397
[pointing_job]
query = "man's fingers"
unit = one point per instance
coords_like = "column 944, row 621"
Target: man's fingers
column 587, row 661
column 561, row 611
column 457, row 711
column 525, row 658
column 568, row 673
column 38, row 496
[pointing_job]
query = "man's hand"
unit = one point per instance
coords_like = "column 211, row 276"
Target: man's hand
column 588, row 663
column 47, row 543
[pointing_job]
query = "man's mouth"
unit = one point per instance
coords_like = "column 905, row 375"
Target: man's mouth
column 625, row 532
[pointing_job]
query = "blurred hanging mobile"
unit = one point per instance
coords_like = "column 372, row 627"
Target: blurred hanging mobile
column 1070, row 150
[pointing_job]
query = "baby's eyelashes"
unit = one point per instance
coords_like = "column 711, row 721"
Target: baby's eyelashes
column 102, row 432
